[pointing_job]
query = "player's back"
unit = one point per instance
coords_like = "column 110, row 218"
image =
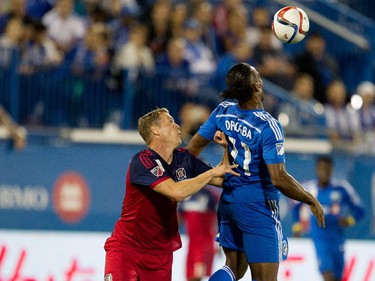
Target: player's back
column 250, row 134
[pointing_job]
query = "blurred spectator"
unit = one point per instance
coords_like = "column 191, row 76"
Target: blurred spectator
column 366, row 90
column 221, row 15
column 197, row 53
column 40, row 52
column 203, row 13
column 316, row 61
column 159, row 26
column 341, row 120
column 64, row 26
column 261, row 18
column 95, row 13
column 178, row 18
column 173, row 58
column 192, row 116
column 174, row 78
column 11, row 39
column 272, row 63
column 17, row 9
column 116, row 7
column 37, row 8
column 135, row 55
column 92, row 54
column 299, row 116
column 238, row 28
column 198, row 214
column 121, row 24
column 241, row 52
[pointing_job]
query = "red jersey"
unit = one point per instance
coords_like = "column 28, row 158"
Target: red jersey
column 149, row 219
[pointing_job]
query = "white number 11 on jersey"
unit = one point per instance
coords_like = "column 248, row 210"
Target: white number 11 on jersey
column 247, row 155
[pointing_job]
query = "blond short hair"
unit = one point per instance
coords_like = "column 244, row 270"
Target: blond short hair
column 147, row 121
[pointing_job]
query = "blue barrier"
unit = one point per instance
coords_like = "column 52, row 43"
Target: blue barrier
column 57, row 185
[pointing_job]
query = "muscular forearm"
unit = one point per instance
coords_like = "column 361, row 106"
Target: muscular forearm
column 294, row 190
column 197, row 144
column 188, row 187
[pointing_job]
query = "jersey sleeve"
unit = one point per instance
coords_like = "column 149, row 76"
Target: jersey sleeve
column 208, row 129
column 273, row 144
column 147, row 171
column 354, row 202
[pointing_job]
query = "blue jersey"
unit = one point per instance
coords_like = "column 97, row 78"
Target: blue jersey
column 338, row 199
column 255, row 139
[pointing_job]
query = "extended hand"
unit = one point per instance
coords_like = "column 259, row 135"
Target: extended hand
column 317, row 210
column 219, row 138
column 223, row 169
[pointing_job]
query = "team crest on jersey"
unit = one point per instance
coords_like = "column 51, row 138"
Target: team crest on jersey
column 108, row 277
column 280, row 148
column 181, row 174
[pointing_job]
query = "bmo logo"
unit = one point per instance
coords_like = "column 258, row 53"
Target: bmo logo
column 71, row 197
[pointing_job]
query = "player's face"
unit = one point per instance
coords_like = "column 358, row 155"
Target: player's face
column 260, row 83
column 169, row 130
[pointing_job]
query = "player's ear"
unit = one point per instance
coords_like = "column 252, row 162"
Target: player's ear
column 154, row 130
column 258, row 87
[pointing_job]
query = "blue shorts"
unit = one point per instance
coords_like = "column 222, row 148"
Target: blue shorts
column 253, row 228
column 330, row 256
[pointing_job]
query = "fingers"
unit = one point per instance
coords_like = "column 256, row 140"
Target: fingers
column 234, row 166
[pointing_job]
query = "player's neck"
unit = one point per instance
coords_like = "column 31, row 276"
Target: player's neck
column 164, row 151
column 250, row 105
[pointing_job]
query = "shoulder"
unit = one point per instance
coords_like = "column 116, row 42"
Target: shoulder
column 224, row 107
column 145, row 157
column 226, row 104
column 269, row 125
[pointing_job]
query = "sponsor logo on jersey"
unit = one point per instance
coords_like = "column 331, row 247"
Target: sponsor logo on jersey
column 181, row 174
column 157, row 171
column 108, row 277
column 280, row 148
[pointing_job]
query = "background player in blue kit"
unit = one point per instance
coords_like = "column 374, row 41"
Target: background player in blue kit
column 250, row 228
column 342, row 208
column 144, row 238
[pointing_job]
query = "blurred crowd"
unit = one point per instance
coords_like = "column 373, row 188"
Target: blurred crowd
column 201, row 37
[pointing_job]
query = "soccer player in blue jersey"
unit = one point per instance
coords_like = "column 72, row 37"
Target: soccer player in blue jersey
column 250, row 229
column 144, row 238
column 342, row 208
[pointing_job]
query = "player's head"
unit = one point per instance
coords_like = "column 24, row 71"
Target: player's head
column 324, row 169
column 243, row 82
column 147, row 121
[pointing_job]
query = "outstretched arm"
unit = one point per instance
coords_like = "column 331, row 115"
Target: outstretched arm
column 178, row 191
column 197, row 144
column 220, row 139
column 294, row 190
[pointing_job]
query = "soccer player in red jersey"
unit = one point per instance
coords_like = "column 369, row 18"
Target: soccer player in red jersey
column 144, row 238
column 198, row 214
